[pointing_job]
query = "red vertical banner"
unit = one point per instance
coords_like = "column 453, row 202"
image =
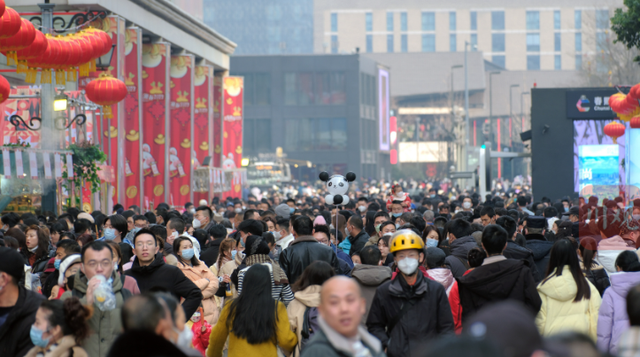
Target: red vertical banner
column 217, row 121
column 201, row 121
column 181, row 146
column 232, row 126
column 132, row 129
column 155, row 96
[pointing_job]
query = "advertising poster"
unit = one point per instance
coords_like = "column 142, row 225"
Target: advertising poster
column 232, row 137
column 181, row 115
column 155, row 97
column 132, row 107
column 217, row 121
column 201, row 121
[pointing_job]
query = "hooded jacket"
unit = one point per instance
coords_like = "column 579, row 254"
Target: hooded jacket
column 445, row 277
column 608, row 251
column 499, row 281
column 429, row 317
column 302, row 252
column 309, row 297
column 105, row 325
column 358, row 242
column 208, row 284
column 559, row 311
column 160, row 274
column 541, row 249
column 612, row 318
column 459, row 250
column 514, row 251
column 369, row 277
column 597, row 276
column 14, row 333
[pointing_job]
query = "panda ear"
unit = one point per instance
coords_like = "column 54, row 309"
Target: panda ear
column 351, row 177
column 324, row 176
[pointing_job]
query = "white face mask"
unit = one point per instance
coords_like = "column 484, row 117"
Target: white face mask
column 238, row 210
column 362, row 208
column 196, row 223
column 466, row 205
column 184, row 337
column 408, row 265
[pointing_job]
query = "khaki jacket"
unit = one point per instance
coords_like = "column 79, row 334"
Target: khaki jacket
column 208, row 284
column 309, row 297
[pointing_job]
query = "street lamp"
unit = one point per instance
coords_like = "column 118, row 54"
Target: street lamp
column 60, row 102
column 510, row 125
column 103, row 62
column 465, row 152
column 491, row 105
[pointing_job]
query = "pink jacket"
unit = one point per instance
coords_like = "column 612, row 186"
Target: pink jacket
column 608, row 251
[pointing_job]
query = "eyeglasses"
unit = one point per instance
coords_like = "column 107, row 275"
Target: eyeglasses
column 145, row 244
column 104, row 264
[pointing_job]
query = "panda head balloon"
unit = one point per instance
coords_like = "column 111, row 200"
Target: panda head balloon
column 337, row 186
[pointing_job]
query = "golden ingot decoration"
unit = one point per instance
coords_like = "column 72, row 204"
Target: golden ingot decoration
column 184, row 190
column 204, row 146
column 159, row 140
column 186, row 143
column 133, row 135
column 112, row 133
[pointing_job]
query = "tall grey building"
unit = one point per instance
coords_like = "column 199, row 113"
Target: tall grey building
column 262, row 27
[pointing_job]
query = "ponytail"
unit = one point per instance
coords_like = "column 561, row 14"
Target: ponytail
column 588, row 250
column 76, row 316
column 628, row 261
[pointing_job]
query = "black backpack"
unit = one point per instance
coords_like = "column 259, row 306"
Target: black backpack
column 309, row 326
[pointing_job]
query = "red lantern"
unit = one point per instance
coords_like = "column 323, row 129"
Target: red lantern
column 635, row 122
column 86, row 54
column 46, row 60
column 23, row 39
column 35, row 50
column 106, row 91
column 10, row 23
column 2, row 7
column 97, row 46
column 75, row 57
column 5, row 88
column 614, row 130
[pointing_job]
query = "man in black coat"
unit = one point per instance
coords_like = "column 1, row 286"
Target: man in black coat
column 498, row 278
column 411, row 309
column 461, row 242
column 515, row 251
column 357, row 236
column 150, row 271
column 210, row 254
column 534, row 233
column 18, row 306
column 304, row 250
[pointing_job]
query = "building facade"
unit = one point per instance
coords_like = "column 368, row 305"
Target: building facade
column 513, row 34
column 317, row 108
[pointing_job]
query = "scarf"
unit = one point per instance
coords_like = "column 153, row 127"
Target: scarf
column 279, row 277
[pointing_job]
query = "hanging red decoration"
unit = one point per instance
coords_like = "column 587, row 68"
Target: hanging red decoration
column 635, row 122
column 106, row 91
column 75, row 57
column 5, row 88
column 45, row 61
column 86, row 54
column 614, row 130
column 2, row 7
column 35, row 50
column 10, row 23
column 23, row 39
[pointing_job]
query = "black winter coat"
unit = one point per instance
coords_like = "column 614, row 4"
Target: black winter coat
column 169, row 277
column 358, row 242
column 210, row 253
column 14, row 333
column 429, row 317
column 541, row 249
column 504, row 280
column 514, row 251
column 459, row 250
column 301, row 253
column 320, row 346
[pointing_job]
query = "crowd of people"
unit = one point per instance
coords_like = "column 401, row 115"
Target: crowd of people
column 388, row 274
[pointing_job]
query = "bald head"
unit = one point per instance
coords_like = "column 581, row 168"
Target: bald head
column 342, row 305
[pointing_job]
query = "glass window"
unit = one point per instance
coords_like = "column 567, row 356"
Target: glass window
column 533, row 62
column 578, row 19
column 334, row 43
column 499, row 61
column 474, row 42
column 403, row 43
column 452, row 43
column 290, row 89
column 305, row 88
column 315, row 134
column 601, row 42
column 257, row 135
column 602, row 19
column 338, row 94
column 556, row 20
column 369, row 43
column 497, row 20
column 429, row 43
column 368, row 21
column 322, row 84
column 557, row 62
column 403, row 21
column 390, row 43
column 557, row 42
column 533, row 42
column 578, row 62
column 474, row 20
column 323, row 134
column 248, row 88
column 334, row 22
column 339, row 133
column 578, row 42
column 533, row 20
column 452, row 21
column 428, row 21
column 389, row 21
column 497, row 42
column 262, row 89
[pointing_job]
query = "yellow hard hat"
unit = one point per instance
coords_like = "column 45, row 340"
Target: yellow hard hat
column 405, row 239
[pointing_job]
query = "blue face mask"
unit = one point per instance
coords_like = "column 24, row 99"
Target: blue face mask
column 233, row 254
column 109, row 234
column 242, row 244
column 56, row 264
column 291, row 209
column 187, row 253
column 566, row 209
column 397, row 214
column 432, row 243
column 36, row 337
